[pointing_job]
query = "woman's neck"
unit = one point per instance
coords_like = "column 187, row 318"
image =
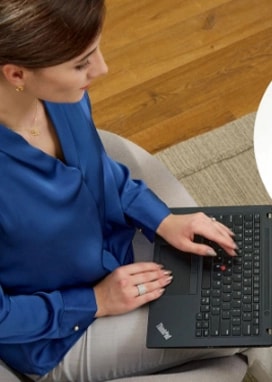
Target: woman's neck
column 27, row 116
column 18, row 110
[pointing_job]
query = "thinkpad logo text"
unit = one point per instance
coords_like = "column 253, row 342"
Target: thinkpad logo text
column 164, row 332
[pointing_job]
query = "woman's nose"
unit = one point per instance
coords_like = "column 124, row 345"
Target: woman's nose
column 100, row 67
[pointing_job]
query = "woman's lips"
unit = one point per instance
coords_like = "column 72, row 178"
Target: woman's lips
column 85, row 87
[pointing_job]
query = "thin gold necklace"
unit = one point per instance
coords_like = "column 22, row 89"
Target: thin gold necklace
column 34, row 130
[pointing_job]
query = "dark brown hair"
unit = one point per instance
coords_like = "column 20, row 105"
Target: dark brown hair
column 41, row 33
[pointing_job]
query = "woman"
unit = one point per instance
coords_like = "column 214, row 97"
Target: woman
column 68, row 212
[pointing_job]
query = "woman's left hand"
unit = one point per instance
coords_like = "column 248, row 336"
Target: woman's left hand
column 179, row 231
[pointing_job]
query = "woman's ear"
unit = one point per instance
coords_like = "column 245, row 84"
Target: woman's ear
column 13, row 74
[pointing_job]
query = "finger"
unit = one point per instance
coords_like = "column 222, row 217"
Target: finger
column 140, row 267
column 152, row 287
column 213, row 226
column 226, row 242
column 200, row 249
column 229, row 250
column 220, row 234
column 206, row 250
column 148, row 297
column 147, row 277
column 227, row 229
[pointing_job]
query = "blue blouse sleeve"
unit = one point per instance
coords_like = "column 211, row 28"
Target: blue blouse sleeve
column 28, row 318
column 139, row 204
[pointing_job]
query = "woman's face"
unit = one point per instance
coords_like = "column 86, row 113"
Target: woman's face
column 67, row 82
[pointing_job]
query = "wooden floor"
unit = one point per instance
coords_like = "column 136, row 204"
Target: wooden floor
column 179, row 68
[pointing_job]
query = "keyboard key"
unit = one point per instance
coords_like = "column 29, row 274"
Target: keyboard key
column 246, row 329
column 205, row 308
column 226, row 314
column 215, row 326
column 236, row 321
column 225, row 327
column 255, row 331
column 236, row 331
column 198, row 333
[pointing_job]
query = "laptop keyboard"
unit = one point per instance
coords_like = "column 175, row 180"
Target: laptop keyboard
column 230, row 296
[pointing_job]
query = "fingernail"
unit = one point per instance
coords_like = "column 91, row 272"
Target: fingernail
column 211, row 253
column 169, row 279
column 167, row 272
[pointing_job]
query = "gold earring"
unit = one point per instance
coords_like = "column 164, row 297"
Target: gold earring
column 19, row 89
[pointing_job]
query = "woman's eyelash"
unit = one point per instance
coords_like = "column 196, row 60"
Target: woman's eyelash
column 82, row 66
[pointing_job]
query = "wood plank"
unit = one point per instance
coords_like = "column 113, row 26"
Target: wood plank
column 128, row 21
column 180, row 68
column 167, row 48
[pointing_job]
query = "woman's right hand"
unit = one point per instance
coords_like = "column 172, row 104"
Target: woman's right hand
column 118, row 293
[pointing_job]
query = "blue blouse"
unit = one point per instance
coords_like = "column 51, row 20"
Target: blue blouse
column 63, row 227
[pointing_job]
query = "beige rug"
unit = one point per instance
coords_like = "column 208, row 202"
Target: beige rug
column 218, row 168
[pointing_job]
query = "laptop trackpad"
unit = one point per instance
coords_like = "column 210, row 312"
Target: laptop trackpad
column 184, row 267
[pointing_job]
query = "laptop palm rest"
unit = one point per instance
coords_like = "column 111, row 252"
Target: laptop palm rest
column 185, row 268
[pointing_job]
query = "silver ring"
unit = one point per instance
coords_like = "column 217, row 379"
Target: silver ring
column 141, row 289
column 213, row 219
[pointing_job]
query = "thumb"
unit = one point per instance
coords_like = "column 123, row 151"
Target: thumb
column 198, row 249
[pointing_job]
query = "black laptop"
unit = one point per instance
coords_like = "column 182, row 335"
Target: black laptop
column 217, row 301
